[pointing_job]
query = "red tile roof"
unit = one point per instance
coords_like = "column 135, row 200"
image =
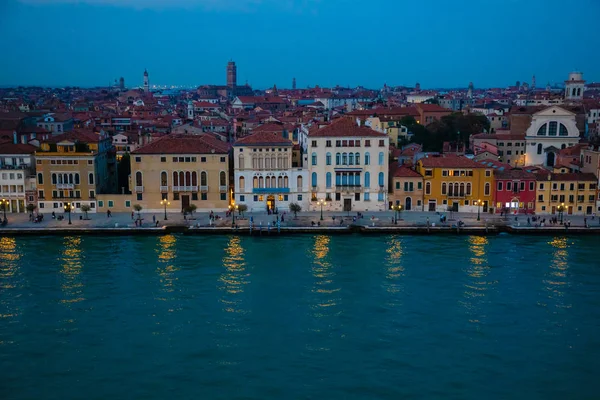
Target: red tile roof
column 345, row 127
column 81, row 136
column 406, row 172
column 264, row 138
column 19, row 148
column 572, row 176
column 449, row 161
column 184, row 144
column 515, row 173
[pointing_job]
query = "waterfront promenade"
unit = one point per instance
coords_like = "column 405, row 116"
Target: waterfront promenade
column 306, row 221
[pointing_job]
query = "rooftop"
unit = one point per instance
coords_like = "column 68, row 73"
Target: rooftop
column 345, row 127
column 184, row 144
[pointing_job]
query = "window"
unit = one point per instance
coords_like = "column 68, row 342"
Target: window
column 110, row 203
column 314, row 143
column 40, row 179
column 563, row 131
column 203, row 196
column 381, row 158
column 100, row 203
column 531, row 186
column 224, row 196
column 328, row 180
column 314, row 158
column 222, row 159
column 486, row 189
column 508, row 186
column 127, row 203
column 90, row 162
column 357, row 158
column 222, row 179
column 202, row 159
column 500, row 186
column 539, row 148
column 162, row 159
column 328, row 158
column 139, row 196
column 444, row 188
column 367, row 197
column 344, row 158
column 367, row 158
column 77, row 179
column 367, row 143
column 299, row 197
column 419, row 185
column 381, row 179
column 398, row 185
column 92, row 194
column 367, row 179
column 138, row 179
column 328, row 143
column 91, row 178
column 299, row 183
column 203, row 179
column 428, row 172
column 488, row 173
column 542, row 130
column 314, row 179
column 41, row 194
column 552, row 128
column 428, row 188
column 350, row 158
column 137, row 159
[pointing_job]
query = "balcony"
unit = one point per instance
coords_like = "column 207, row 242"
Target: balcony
column 65, row 186
column 456, row 195
column 139, row 189
column 164, row 189
column 222, row 188
column 185, row 188
column 348, row 188
column 204, row 188
column 270, row 190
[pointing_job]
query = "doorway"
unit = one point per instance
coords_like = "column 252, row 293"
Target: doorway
column 570, row 210
column 271, row 203
column 408, row 204
column 485, row 206
column 550, row 159
column 348, row 205
column 432, row 205
column 553, row 209
column 185, row 201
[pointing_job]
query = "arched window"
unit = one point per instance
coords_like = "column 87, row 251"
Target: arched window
column 574, row 92
column 138, row 179
column 444, row 188
column 542, row 130
column 328, row 180
column 351, row 159
column 450, row 189
column 428, row 188
column 314, row 179
column 456, row 186
column 367, row 179
column 552, row 128
column 222, row 179
column 163, row 178
column 367, row 158
column 267, row 163
column 267, row 182
column 71, row 179
column 338, row 179
column 539, row 148
column 381, row 179
column 299, row 183
column 381, row 158
column 314, row 158
column 285, row 163
column 261, row 182
column 41, row 179
column 77, row 179
column 91, row 178
column 194, row 178
column 181, row 178
column 328, row 158
column 357, row 158
column 468, row 189
column 255, row 182
column 285, row 181
column 66, row 178
column 338, row 159
column 563, row 131
column 344, row 159
column 241, row 161
column 254, row 162
column 175, row 178
column 203, row 179
column 578, row 93
column 563, row 146
column 273, row 161
column 188, row 178
column 280, row 181
column 462, row 189
column 486, row 189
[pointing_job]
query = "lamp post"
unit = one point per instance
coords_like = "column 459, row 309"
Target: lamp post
column 4, row 204
column 68, row 210
column 561, row 210
column 232, row 208
column 479, row 210
column 165, row 203
column 396, row 208
column 322, row 203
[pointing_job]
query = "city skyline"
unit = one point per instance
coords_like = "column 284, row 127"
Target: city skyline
column 272, row 43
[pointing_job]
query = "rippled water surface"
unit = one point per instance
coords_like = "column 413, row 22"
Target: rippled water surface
column 321, row 317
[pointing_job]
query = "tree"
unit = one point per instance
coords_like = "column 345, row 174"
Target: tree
column 190, row 209
column 138, row 208
column 295, row 208
column 31, row 207
column 123, row 172
column 85, row 208
column 242, row 208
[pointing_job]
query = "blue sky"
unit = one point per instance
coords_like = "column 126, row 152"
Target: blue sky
column 439, row 43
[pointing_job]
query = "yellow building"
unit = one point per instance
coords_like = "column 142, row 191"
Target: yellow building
column 406, row 189
column 575, row 192
column 74, row 167
column 456, row 182
column 390, row 126
column 182, row 169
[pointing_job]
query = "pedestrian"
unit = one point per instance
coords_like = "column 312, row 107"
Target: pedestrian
column 282, row 217
column 132, row 214
column 154, row 218
column 585, row 221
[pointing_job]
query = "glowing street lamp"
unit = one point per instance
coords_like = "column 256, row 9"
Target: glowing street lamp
column 4, row 204
column 397, row 208
column 232, row 208
column 68, row 208
column 561, row 210
column 165, row 203
column 479, row 204
column 322, row 203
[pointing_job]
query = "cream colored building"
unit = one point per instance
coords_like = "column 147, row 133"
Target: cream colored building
column 184, row 170
column 17, row 176
column 576, row 191
column 264, row 176
column 348, row 167
column 73, row 168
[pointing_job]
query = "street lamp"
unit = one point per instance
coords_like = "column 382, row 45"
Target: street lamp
column 165, row 203
column 4, row 204
column 396, row 208
column 479, row 203
column 322, row 203
column 68, row 207
column 561, row 209
column 232, row 208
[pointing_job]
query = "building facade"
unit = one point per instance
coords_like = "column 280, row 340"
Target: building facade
column 17, row 176
column 515, row 191
column 348, row 167
column 184, row 170
column 575, row 192
column 264, row 176
column 406, row 189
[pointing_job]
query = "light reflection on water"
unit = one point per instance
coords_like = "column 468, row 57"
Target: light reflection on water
column 556, row 281
column 394, row 271
column 11, row 281
column 71, row 266
column 166, row 267
column 477, row 284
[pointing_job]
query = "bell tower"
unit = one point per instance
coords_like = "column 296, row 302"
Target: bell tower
column 146, row 81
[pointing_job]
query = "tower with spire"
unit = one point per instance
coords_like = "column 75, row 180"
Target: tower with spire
column 294, row 83
column 533, row 82
column 146, row 81
column 470, row 91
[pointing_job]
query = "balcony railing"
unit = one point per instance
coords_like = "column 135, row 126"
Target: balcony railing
column 185, row 188
column 270, row 190
column 222, row 188
column 65, row 186
column 204, row 188
column 139, row 189
column 164, row 188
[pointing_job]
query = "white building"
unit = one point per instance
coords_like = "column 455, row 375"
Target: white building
column 574, row 87
column 348, row 167
column 264, row 177
column 350, row 102
column 17, row 176
column 550, row 131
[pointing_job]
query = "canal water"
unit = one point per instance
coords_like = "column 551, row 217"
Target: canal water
column 303, row 317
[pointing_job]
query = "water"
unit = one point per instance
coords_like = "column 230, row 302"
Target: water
column 342, row 317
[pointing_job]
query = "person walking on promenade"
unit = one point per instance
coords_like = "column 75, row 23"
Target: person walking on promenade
column 154, row 218
column 132, row 215
column 108, row 214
